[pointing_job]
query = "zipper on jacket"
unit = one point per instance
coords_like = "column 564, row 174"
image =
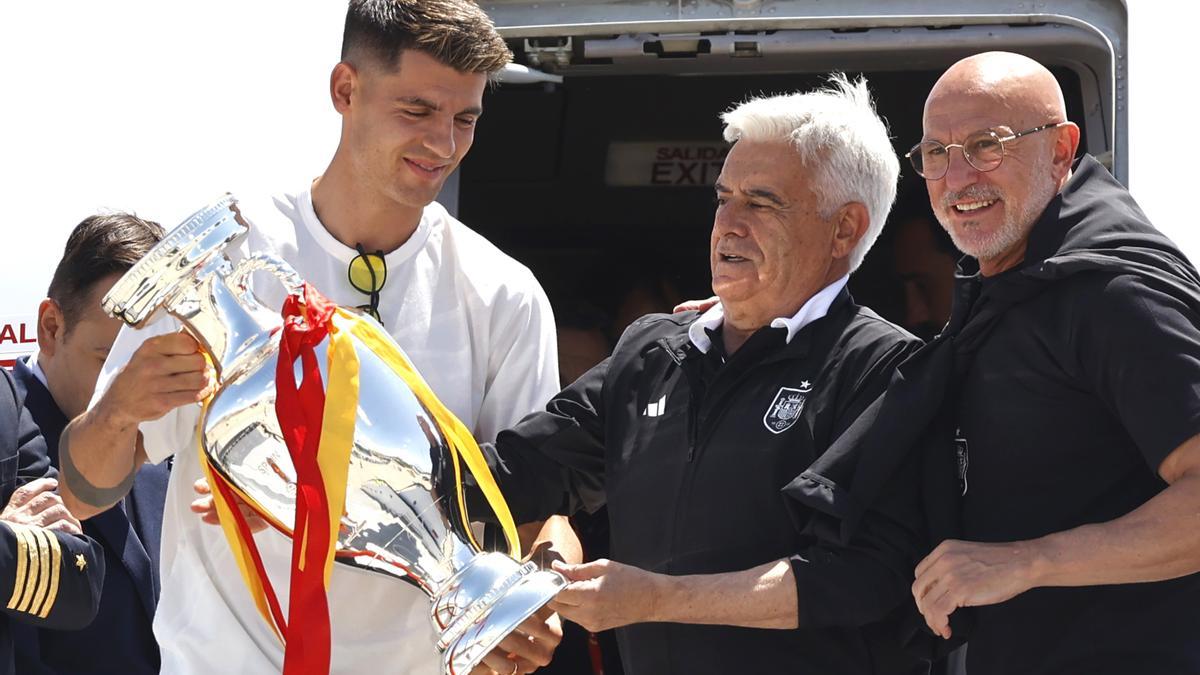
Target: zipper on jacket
column 683, row 487
column 695, row 387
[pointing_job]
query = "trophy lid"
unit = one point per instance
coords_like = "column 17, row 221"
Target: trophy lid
column 154, row 279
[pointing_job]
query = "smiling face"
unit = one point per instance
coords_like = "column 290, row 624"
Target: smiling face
column 409, row 126
column 771, row 248
column 989, row 214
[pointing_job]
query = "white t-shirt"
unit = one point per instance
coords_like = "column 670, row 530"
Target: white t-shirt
column 477, row 326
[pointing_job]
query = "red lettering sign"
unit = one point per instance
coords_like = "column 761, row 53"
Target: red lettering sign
column 17, row 334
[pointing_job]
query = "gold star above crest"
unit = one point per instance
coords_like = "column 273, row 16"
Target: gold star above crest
column 80, row 562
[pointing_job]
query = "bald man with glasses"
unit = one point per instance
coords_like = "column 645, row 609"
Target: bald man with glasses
column 1064, row 393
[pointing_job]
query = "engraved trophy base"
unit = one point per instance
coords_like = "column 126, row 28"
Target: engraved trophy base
column 484, row 602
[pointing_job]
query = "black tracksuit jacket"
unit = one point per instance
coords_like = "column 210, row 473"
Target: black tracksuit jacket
column 691, row 453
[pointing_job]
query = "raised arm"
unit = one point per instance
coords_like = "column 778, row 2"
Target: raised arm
column 101, row 450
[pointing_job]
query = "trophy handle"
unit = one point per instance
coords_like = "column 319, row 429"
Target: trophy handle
column 239, row 280
column 175, row 266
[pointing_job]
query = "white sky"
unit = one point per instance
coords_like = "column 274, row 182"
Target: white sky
column 156, row 107
column 159, row 107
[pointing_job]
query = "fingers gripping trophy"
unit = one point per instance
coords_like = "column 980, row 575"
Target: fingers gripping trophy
column 322, row 426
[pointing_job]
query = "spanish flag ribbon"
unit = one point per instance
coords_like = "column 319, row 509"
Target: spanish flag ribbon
column 462, row 445
column 300, row 409
column 317, row 423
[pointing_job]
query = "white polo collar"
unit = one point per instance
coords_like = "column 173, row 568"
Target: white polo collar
column 816, row 307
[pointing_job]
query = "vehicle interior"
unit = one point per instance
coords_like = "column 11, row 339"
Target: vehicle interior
column 601, row 183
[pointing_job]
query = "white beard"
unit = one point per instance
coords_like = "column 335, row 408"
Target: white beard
column 1018, row 217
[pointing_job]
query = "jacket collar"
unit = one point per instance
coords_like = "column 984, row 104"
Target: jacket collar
column 1092, row 213
column 46, row 413
column 112, row 527
column 816, row 307
column 681, row 347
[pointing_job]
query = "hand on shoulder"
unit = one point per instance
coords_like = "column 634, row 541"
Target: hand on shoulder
column 38, row 505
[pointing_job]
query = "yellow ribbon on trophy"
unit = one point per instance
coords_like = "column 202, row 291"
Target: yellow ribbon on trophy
column 336, row 440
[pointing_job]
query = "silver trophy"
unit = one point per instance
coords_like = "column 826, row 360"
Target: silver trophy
column 402, row 517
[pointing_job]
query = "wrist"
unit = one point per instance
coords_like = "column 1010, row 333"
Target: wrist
column 112, row 416
column 663, row 591
column 1039, row 563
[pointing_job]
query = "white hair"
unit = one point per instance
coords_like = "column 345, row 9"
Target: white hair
column 840, row 137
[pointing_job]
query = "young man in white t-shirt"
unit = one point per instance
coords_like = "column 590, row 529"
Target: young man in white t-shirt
column 475, row 323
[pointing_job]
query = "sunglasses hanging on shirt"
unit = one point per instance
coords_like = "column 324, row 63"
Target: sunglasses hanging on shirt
column 367, row 274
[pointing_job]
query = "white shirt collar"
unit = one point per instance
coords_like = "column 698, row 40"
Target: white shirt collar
column 816, row 307
column 36, row 367
column 432, row 214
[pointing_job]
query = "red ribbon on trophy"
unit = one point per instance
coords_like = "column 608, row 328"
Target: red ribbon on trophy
column 317, row 424
column 317, row 421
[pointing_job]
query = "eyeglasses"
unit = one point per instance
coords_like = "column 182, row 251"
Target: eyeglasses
column 983, row 150
column 367, row 273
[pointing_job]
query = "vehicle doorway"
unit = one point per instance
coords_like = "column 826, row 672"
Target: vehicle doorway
column 602, row 185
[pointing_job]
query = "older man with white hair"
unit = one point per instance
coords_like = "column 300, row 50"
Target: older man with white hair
column 695, row 425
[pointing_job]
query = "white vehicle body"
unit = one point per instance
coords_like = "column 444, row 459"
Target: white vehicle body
column 158, row 108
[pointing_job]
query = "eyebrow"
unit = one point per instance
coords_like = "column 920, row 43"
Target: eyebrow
column 763, row 193
column 998, row 129
column 425, row 103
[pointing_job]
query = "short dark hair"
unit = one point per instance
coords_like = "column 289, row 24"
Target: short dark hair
column 456, row 32
column 99, row 246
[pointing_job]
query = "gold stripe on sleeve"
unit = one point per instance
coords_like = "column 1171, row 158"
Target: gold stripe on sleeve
column 22, row 566
column 55, row 563
column 37, row 570
column 43, row 586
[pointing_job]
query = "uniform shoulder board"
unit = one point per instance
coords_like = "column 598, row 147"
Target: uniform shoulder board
column 47, row 578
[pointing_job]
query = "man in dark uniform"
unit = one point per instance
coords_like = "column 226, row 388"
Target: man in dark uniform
column 50, row 576
column 74, row 336
column 1071, row 365
column 696, row 423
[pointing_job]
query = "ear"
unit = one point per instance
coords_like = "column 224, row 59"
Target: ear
column 1065, row 145
column 51, row 327
column 850, row 224
column 343, row 85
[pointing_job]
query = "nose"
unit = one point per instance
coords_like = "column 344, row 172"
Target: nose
column 439, row 138
column 728, row 220
column 959, row 172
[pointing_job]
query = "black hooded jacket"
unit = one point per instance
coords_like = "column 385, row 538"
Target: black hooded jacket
column 1072, row 377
